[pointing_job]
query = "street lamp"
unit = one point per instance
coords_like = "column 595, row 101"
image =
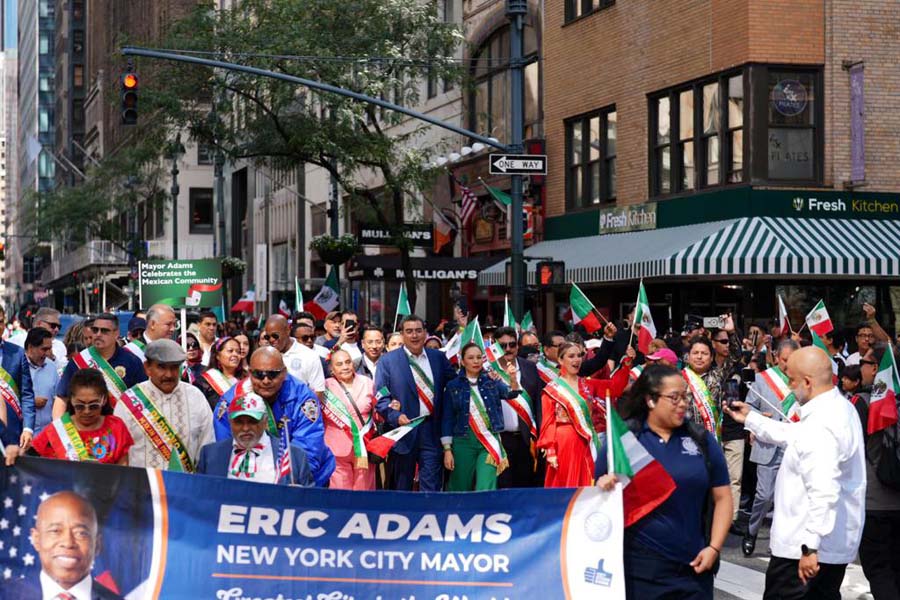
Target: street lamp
column 176, row 151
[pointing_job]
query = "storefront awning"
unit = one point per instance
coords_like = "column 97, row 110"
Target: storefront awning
column 742, row 247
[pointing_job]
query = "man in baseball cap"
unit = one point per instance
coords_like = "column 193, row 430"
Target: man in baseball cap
column 253, row 454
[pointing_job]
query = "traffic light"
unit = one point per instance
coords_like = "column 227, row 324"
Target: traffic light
column 129, row 87
column 551, row 273
column 2, row 251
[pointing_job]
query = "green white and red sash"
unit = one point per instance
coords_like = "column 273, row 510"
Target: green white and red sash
column 9, row 391
column 547, row 370
column 424, row 388
column 578, row 410
column 160, row 433
column 136, row 347
column 338, row 414
column 217, row 381
column 703, row 402
column 90, row 358
column 66, row 442
column 480, row 423
column 522, row 403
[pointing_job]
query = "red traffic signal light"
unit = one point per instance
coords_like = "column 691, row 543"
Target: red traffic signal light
column 129, row 92
column 130, row 81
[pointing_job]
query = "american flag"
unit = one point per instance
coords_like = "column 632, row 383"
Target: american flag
column 18, row 511
column 284, row 454
column 468, row 204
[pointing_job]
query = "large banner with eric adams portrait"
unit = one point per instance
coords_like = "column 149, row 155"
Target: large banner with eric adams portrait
column 135, row 533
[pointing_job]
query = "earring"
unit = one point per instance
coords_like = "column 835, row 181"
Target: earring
column 651, row 404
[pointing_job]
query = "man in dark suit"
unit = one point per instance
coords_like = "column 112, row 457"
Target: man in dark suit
column 18, row 412
column 415, row 376
column 516, row 434
column 66, row 539
column 252, row 454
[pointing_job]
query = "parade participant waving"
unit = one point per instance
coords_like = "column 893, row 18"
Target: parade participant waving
column 169, row 419
column 224, row 370
column 349, row 408
column 667, row 554
column 571, row 406
column 86, row 431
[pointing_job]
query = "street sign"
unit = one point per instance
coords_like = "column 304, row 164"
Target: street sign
column 518, row 164
column 181, row 283
column 419, row 235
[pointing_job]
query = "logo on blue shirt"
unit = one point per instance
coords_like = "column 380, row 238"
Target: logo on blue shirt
column 598, row 576
column 689, row 447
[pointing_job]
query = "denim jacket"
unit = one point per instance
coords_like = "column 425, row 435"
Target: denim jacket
column 455, row 420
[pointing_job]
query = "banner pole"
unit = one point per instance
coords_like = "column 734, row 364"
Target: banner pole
column 184, row 330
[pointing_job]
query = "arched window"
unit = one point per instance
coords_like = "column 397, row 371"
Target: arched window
column 488, row 105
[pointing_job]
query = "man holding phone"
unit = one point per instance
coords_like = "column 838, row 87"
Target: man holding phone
column 348, row 339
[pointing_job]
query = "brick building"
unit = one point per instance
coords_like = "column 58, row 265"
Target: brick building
column 741, row 147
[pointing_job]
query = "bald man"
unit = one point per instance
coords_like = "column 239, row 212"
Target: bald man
column 66, row 539
column 301, row 362
column 285, row 396
column 821, row 486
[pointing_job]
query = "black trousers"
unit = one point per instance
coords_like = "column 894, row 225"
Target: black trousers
column 783, row 581
column 521, row 464
column 879, row 553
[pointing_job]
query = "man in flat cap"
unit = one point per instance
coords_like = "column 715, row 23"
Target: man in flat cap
column 169, row 419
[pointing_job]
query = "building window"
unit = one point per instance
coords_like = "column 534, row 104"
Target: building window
column 489, row 99
column 448, row 16
column 201, row 207
column 792, row 126
column 44, row 44
column 45, row 83
column 204, row 154
column 78, row 76
column 575, row 9
column 44, row 121
column 694, row 131
column 591, row 159
column 160, row 219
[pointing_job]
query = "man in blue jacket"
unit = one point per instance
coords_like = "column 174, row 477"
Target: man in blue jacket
column 285, row 396
column 253, row 454
column 415, row 376
column 16, row 394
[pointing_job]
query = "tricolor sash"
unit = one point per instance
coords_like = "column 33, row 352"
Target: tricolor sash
column 9, row 391
column 547, row 370
column 703, row 402
column 481, row 427
column 158, row 430
column 424, row 388
column 338, row 413
column 136, row 347
column 522, row 403
column 578, row 409
column 217, row 381
column 90, row 358
column 65, row 441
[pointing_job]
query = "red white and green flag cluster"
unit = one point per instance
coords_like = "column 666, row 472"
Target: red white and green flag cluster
column 583, row 310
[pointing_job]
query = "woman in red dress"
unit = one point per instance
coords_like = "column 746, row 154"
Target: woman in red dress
column 87, row 431
column 573, row 413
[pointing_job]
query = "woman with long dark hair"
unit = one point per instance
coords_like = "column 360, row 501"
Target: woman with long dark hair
column 668, row 552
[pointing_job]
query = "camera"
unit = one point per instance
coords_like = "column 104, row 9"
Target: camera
column 713, row 322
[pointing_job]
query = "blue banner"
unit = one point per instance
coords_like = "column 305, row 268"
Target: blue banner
column 171, row 535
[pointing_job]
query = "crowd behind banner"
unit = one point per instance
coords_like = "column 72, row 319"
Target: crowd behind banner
column 465, row 405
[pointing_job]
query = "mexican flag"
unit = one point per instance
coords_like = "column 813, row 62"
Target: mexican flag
column 642, row 316
column 472, row 333
column 583, row 310
column 883, row 401
column 777, row 381
column 646, row 483
column 283, row 309
column 509, row 319
column 247, row 302
column 298, row 295
column 402, row 305
column 451, row 350
column 784, row 325
column 818, row 320
column 528, row 322
column 380, row 446
column 818, row 343
column 328, row 297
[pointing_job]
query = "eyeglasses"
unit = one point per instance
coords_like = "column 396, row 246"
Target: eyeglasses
column 260, row 374
column 675, row 399
column 307, row 338
column 721, row 340
column 87, row 407
column 103, row 330
column 272, row 336
column 508, row 345
column 53, row 325
column 865, row 335
column 863, row 361
column 193, row 345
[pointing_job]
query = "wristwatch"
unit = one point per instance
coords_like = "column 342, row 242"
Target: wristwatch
column 806, row 550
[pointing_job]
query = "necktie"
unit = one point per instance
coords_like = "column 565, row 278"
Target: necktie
column 65, row 596
column 243, row 465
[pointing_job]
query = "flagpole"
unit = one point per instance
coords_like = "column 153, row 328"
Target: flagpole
column 287, row 436
column 634, row 318
column 397, row 312
column 760, row 396
column 610, row 459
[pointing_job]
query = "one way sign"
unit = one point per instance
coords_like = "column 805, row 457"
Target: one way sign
column 518, row 164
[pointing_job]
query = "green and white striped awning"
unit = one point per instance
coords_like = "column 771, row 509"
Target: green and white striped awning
column 751, row 246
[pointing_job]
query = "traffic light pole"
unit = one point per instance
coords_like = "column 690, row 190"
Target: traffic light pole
column 516, row 11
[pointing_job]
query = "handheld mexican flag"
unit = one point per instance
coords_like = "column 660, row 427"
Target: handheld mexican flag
column 527, row 322
column 298, row 295
column 247, row 302
column 818, row 343
column 402, row 305
column 642, row 316
column 818, row 320
column 583, row 310
column 784, row 325
column 472, row 333
column 451, row 350
column 509, row 319
column 777, row 381
column 283, row 309
column 380, row 446
column 646, row 483
column 886, row 387
column 328, row 297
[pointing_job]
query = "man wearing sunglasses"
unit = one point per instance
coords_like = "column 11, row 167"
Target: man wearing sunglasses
column 16, row 394
column 120, row 368
column 286, row 397
column 301, row 362
column 47, row 318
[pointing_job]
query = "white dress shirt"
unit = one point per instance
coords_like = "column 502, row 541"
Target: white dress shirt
column 50, row 590
column 422, row 361
column 371, row 366
column 510, row 416
column 186, row 410
column 820, row 491
column 304, row 364
column 265, row 463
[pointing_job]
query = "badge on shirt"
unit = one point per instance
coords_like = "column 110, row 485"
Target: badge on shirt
column 221, row 409
column 689, row 447
column 120, row 371
column 296, row 364
column 310, row 408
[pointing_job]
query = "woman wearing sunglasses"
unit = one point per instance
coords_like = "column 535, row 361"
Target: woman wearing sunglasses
column 87, row 431
column 193, row 366
column 225, row 369
column 574, row 414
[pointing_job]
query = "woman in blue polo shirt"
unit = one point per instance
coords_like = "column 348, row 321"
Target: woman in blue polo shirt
column 667, row 553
